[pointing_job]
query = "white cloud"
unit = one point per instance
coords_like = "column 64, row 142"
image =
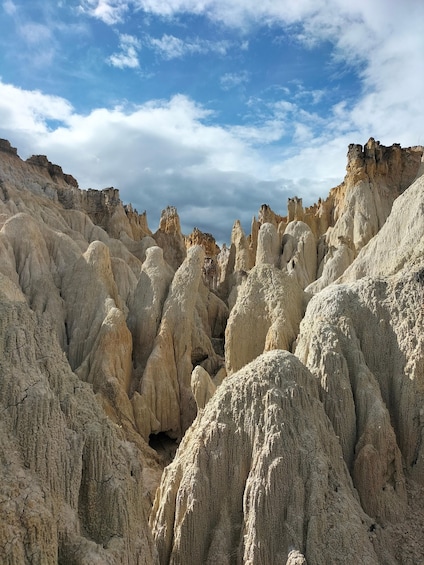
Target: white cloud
column 171, row 47
column 158, row 154
column 9, row 7
column 28, row 111
column 231, row 80
column 128, row 55
column 167, row 152
column 110, row 12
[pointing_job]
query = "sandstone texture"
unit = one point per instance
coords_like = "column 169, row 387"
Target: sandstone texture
column 261, row 473
column 163, row 400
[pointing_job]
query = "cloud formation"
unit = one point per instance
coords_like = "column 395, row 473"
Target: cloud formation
column 127, row 57
column 171, row 47
column 177, row 151
column 110, row 12
column 232, row 80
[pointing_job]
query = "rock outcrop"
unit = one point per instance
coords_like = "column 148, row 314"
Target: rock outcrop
column 286, row 368
column 72, row 487
column 266, row 316
column 170, row 238
column 260, row 477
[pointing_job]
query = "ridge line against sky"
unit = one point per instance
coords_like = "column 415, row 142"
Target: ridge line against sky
column 211, row 106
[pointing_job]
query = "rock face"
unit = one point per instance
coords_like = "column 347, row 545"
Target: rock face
column 266, row 316
column 170, row 238
column 287, row 369
column 260, row 474
column 358, row 208
column 72, row 488
column 84, row 312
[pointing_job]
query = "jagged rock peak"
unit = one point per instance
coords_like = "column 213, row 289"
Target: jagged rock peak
column 398, row 165
column 55, row 171
column 170, row 238
column 205, row 240
column 7, row 148
column 295, row 209
column 210, row 271
column 268, row 216
column 169, row 220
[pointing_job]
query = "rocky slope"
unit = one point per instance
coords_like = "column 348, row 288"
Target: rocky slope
column 288, row 370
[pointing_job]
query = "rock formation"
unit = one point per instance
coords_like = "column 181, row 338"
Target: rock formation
column 279, row 381
column 170, row 238
column 266, row 316
column 260, row 474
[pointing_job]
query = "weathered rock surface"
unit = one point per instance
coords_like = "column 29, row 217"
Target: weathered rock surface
column 166, row 403
column 112, row 341
column 259, row 475
column 71, row 488
column 170, row 238
column 300, row 252
column 400, row 241
column 266, row 316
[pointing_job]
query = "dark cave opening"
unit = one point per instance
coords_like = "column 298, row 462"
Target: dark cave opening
column 164, row 446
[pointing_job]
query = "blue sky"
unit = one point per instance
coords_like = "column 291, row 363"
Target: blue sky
column 212, row 106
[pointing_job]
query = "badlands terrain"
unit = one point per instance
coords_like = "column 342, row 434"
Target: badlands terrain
column 165, row 401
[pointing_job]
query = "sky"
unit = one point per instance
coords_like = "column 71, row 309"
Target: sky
column 212, row 106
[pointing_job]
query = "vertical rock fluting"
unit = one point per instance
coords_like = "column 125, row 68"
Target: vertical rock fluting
column 103, row 344
column 164, row 401
column 260, row 477
column 354, row 211
column 71, row 489
column 170, row 238
column 363, row 340
column 375, row 176
column 266, row 316
column 339, row 339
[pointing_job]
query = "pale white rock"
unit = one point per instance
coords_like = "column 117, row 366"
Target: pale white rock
column 202, row 386
column 268, row 249
column 266, row 316
column 299, row 253
column 334, row 264
column 164, row 401
column 400, row 241
column 364, row 343
column 170, row 238
column 261, row 472
column 296, row 558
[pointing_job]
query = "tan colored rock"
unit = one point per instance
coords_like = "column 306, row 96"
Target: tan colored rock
column 266, row 215
column 269, row 248
column 147, row 304
column 208, row 332
column 300, row 252
column 295, row 212
column 230, row 478
column 266, row 316
column 202, row 386
column 205, row 240
column 164, row 402
column 170, row 238
column 211, row 267
column 375, row 176
column 243, row 259
column 71, row 489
